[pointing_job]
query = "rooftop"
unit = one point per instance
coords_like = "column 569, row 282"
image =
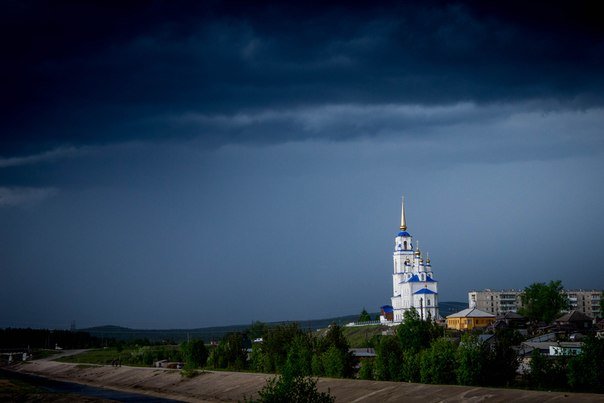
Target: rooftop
column 471, row 313
column 573, row 316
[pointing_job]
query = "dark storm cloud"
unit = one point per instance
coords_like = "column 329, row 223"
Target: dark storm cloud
column 88, row 73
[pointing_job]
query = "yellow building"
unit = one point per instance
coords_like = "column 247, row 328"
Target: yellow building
column 469, row 319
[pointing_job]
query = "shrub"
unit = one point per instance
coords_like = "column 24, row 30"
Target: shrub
column 292, row 390
column 366, row 371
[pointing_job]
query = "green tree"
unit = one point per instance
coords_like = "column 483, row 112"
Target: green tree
column 230, row 353
column 586, row 370
column 411, row 366
column 317, row 365
column 218, row 357
column 538, row 370
column 257, row 358
column 334, row 339
column 438, row 363
column 388, row 360
column 292, row 389
column 471, row 360
column 299, row 357
column 236, row 351
column 414, row 333
column 366, row 371
column 256, row 330
column 276, row 343
column 334, row 363
column 548, row 372
column 364, row 317
column 195, row 353
column 502, row 358
column 543, row 302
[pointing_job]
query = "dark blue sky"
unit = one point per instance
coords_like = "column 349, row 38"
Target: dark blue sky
column 183, row 164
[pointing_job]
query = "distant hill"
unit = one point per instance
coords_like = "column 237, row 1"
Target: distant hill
column 205, row 333
column 447, row 308
column 217, row 332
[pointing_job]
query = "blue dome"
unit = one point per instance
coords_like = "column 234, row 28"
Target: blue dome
column 387, row 308
column 404, row 233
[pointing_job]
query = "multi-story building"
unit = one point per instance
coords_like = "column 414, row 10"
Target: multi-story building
column 500, row 302
column 586, row 301
column 495, row 302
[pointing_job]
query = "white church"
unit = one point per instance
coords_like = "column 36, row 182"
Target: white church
column 413, row 283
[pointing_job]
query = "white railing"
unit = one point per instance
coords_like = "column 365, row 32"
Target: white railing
column 368, row 323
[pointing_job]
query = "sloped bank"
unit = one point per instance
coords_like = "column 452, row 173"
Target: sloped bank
column 232, row 386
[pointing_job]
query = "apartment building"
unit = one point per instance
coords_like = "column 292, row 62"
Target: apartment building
column 502, row 301
column 587, row 302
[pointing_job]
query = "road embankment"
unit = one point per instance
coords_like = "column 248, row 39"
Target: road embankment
column 214, row 386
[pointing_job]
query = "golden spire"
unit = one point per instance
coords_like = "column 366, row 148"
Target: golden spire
column 403, row 221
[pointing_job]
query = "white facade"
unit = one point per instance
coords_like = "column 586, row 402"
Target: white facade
column 413, row 283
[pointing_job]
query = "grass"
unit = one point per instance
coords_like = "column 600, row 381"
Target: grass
column 102, row 356
column 134, row 356
column 44, row 353
column 190, row 372
column 358, row 336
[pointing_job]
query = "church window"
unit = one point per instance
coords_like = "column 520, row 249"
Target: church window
column 405, row 243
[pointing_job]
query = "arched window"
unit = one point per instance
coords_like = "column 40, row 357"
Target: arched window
column 405, row 243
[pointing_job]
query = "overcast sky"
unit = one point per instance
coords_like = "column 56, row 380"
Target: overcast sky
column 172, row 164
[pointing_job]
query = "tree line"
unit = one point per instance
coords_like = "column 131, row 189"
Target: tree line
column 419, row 352
column 286, row 349
column 45, row 338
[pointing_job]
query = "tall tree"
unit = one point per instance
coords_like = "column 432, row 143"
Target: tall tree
column 586, row 370
column 256, row 330
column 414, row 333
column 299, row 356
column 471, row 360
column 364, row 317
column 438, row 364
column 276, row 343
column 230, row 352
column 388, row 360
column 502, row 359
column 334, row 363
column 335, row 339
column 543, row 302
column 195, row 353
